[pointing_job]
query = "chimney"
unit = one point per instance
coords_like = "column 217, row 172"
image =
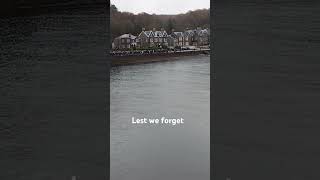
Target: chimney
column 172, row 30
column 162, row 29
column 143, row 29
column 154, row 29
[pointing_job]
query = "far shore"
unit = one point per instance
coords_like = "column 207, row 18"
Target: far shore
column 149, row 58
column 132, row 59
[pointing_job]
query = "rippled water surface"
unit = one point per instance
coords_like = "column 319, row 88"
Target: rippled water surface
column 174, row 89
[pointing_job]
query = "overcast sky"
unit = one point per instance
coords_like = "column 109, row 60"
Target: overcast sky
column 160, row 6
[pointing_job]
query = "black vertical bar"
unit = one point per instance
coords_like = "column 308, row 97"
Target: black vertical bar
column 54, row 107
column 266, row 90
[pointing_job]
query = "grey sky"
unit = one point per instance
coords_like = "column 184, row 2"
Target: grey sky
column 160, row 6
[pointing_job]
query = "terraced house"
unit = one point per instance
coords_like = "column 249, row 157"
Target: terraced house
column 202, row 37
column 189, row 37
column 178, row 38
column 152, row 38
column 196, row 37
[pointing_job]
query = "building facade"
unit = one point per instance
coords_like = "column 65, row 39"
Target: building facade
column 203, row 37
column 125, row 41
column 152, row 38
column 189, row 37
column 160, row 39
column 178, row 38
column 196, row 37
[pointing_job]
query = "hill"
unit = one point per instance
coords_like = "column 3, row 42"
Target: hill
column 126, row 22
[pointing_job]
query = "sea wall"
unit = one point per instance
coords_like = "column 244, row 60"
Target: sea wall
column 153, row 57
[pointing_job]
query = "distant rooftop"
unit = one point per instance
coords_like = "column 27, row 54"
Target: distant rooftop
column 127, row 36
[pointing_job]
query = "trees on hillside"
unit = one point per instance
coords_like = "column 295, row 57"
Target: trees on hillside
column 125, row 22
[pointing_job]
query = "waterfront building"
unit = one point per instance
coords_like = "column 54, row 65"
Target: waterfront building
column 178, row 38
column 188, row 37
column 125, row 41
column 152, row 38
column 159, row 38
column 196, row 37
column 203, row 37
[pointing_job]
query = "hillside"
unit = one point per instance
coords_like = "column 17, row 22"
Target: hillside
column 125, row 22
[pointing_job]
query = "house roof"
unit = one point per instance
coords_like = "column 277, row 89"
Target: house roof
column 160, row 34
column 127, row 36
column 148, row 33
column 203, row 32
column 155, row 33
column 189, row 32
column 177, row 34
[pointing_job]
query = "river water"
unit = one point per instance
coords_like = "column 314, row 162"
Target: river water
column 171, row 89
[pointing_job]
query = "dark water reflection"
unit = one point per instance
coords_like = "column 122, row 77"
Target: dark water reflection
column 172, row 89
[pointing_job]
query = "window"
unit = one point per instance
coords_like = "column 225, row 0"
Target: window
column 128, row 40
column 122, row 40
column 155, row 39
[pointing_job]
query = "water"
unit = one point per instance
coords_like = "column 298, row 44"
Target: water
column 173, row 89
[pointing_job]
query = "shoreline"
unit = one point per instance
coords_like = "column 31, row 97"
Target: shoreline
column 150, row 58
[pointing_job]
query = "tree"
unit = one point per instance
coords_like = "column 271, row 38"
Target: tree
column 125, row 22
column 170, row 25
